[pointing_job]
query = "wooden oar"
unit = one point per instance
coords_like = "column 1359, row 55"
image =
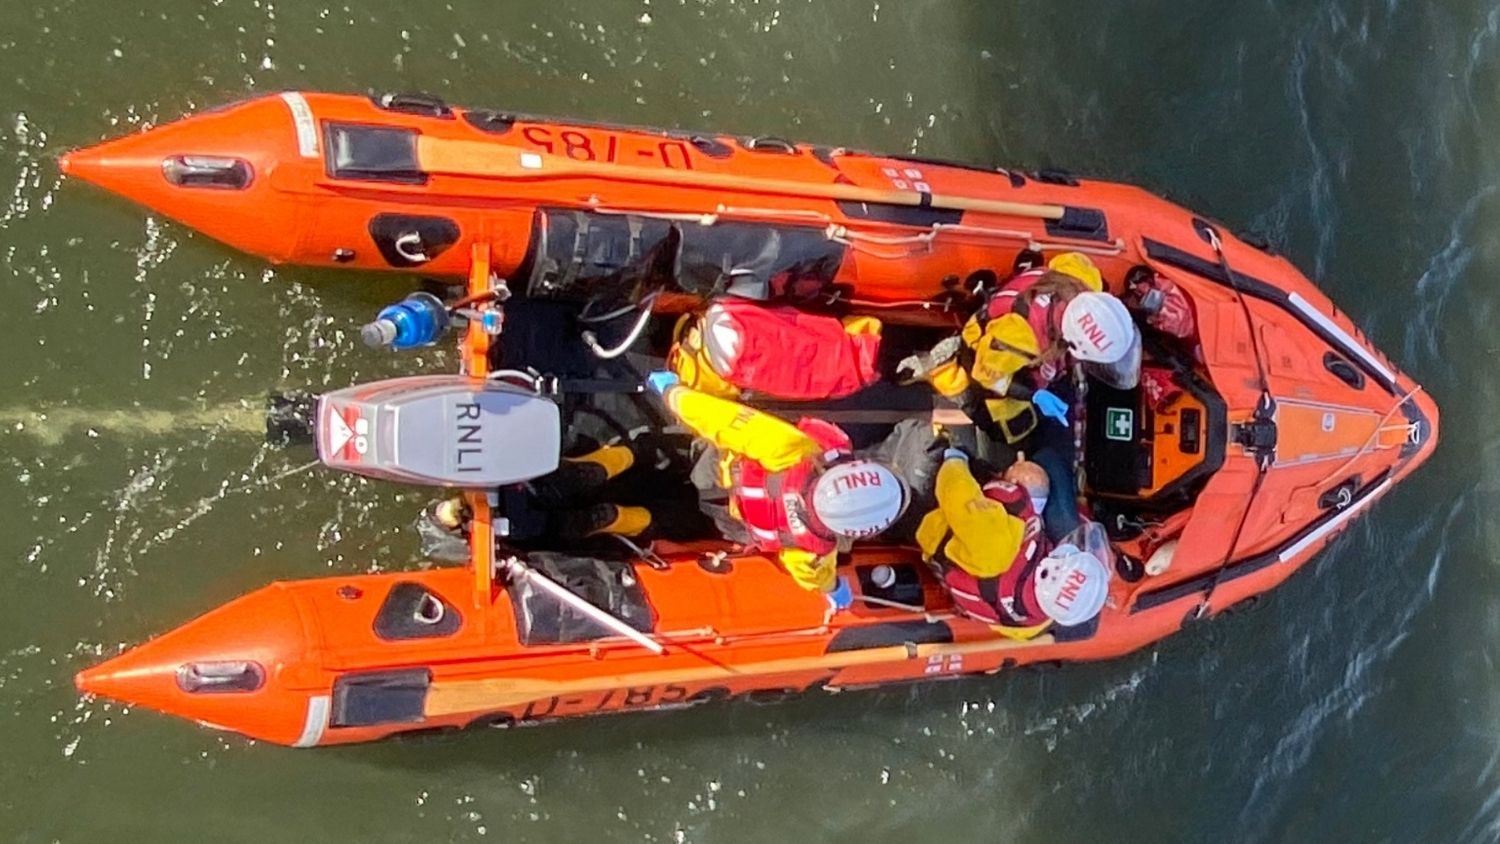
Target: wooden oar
column 496, row 161
column 450, row 697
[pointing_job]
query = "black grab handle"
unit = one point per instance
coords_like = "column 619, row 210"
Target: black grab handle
column 415, row 103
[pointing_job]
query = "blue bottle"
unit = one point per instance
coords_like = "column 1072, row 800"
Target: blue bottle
column 418, row 320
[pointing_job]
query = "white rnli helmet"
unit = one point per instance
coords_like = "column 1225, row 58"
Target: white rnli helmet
column 1098, row 328
column 858, row 499
column 1071, row 585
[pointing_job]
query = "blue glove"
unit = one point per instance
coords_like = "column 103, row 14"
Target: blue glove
column 842, row 596
column 661, row 380
column 1050, row 405
column 955, row 454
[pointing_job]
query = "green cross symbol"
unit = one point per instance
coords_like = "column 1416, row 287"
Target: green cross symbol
column 1119, row 424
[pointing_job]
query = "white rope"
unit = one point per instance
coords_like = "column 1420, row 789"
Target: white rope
column 1380, row 427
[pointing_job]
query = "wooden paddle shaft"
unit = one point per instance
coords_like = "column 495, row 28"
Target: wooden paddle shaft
column 484, row 160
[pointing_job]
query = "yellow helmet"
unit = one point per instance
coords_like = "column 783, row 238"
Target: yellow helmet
column 1079, row 266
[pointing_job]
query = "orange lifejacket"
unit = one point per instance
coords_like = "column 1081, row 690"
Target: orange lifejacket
column 776, row 507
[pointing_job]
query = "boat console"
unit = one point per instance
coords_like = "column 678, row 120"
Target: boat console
column 1153, row 456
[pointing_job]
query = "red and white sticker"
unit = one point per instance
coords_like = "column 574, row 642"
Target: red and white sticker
column 908, row 178
column 348, row 433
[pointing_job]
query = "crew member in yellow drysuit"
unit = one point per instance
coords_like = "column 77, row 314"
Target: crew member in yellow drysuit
column 796, row 490
column 986, row 545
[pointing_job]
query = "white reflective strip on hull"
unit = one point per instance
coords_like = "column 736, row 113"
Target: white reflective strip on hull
column 1332, row 327
column 750, row 492
column 1323, row 405
column 1331, row 525
column 1316, row 458
column 317, row 722
column 307, row 127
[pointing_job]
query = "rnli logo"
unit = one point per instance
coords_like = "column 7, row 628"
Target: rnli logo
column 855, row 480
column 469, row 447
column 1070, row 589
column 1094, row 333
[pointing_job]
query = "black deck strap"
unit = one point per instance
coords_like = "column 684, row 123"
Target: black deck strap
column 419, row 103
column 926, row 199
column 905, row 587
column 923, row 215
column 881, row 403
column 1075, row 633
column 490, row 122
column 882, row 395
column 1056, row 176
column 989, row 592
column 927, row 161
column 890, row 633
column 1080, row 224
column 591, row 386
column 710, row 146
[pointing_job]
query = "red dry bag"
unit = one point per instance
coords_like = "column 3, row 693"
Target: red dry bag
column 777, row 351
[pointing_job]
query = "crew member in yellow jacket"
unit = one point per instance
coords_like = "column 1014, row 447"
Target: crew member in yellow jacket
column 1012, row 354
column 986, row 544
column 796, row 490
column 1022, row 340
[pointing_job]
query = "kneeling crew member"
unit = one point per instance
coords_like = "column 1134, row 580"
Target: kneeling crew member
column 796, row 490
column 1016, row 351
column 987, row 546
column 1025, row 336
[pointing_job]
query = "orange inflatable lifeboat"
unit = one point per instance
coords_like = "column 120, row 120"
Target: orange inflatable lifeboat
column 1284, row 424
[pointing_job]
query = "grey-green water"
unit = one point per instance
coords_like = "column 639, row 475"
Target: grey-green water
column 1361, row 702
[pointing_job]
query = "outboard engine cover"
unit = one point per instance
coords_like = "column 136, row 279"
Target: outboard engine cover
column 439, row 430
